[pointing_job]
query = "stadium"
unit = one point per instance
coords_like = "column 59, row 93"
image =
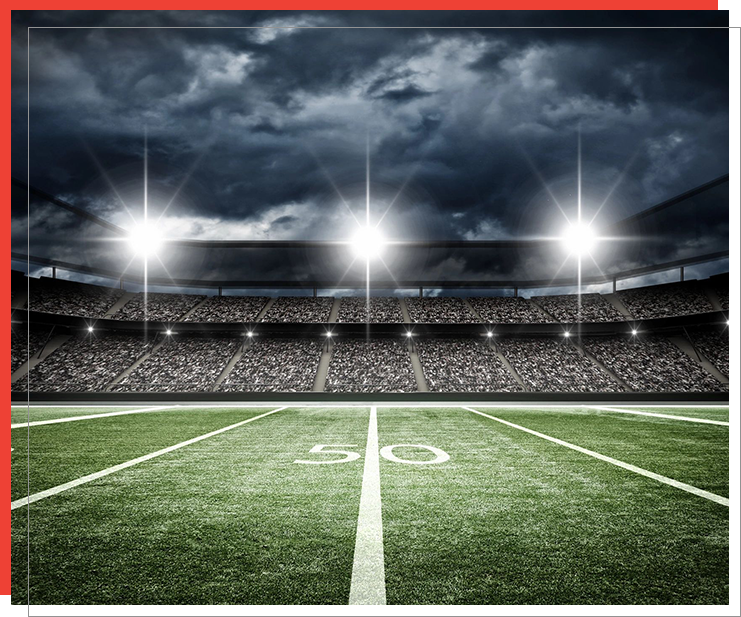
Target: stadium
column 362, row 401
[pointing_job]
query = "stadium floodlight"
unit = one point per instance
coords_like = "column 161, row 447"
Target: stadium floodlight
column 168, row 332
column 579, row 239
column 489, row 334
column 90, row 329
column 145, row 239
column 248, row 334
column 367, row 243
column 566, row 334
column 634, row 332
column 328, row 334
column 409, row 334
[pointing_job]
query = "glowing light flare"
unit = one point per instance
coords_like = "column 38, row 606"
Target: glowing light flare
column 367, row 243
column 145, row 239
column 579, row 239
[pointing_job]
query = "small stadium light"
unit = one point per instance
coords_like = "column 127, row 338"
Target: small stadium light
column 634, row 332
column 409, row 334
column 566, row 334
column 168, row 332
column 728, row 322
column 489, row 334
column 328, row 334
column 248, row 334
column 579, row 239
column 145, row 239
column 367, row 243
column 90, row 329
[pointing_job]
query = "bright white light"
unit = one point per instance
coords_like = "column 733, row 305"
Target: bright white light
column 579, row 239
column 489, row 334
column 168, row 332
column 409, row 334
column 367, row 243
column 634, row 332
column 567, row 334
column 145, row 239
column 728, row 322
column 90, row 329
column 328, row 335
column 249, row 334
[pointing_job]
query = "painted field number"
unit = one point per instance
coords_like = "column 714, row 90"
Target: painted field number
column 387, row 452
column 322, row 448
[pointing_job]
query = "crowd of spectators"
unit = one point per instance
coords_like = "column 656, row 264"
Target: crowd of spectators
column 157, row 307
column 87, row 363
column 439, row 310
column 722, row 293
column 182, row 364
column 381, row 365
column 575, row 309
column 23, row 342
column 508, row 309
column 651, row 364
column 299, row 309
column 275, row 365
column 553, row 365
column 464, row 365
column 372, row 310
column 70, row 298
column 714, row 346
column 666, row 300
column 228, row 309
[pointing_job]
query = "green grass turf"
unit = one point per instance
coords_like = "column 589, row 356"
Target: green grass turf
column 62, row 452
column 708, row 413
column 22, row 414
column 696, row 454
column 512, row 518
column 231, row 519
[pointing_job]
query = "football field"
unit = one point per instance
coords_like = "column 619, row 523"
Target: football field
column 369, row 505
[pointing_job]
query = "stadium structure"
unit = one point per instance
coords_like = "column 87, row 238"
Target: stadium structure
column 666, row 342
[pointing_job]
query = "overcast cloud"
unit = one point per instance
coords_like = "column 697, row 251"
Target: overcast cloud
column 261, row 133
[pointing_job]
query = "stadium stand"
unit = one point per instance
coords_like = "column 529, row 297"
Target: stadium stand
column 551, row 365
column 651, row 364
column 87, row 363
column 299, row 309
column 274, row 365
column 382, row 365
column 464, row 365
column 439, row 310
column 183, row 364
column 158, row 307
column 382, row 310
column 714, row 346
column 666, row 300
column 568, row 309
column 70, row 298
column 508, row 310
column 228, row 309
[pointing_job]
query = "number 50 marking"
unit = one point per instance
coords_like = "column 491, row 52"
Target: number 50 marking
column 387, row 452
column 320, row 449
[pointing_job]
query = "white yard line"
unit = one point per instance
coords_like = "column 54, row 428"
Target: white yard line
column 658, row 415
column 24, row 501
column 643, row 472
column 91, row 416
column 368, row 582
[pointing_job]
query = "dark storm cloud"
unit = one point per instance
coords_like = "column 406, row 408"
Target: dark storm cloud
column 256, row 131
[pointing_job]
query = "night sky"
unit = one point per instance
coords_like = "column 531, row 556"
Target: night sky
column 472, row 134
